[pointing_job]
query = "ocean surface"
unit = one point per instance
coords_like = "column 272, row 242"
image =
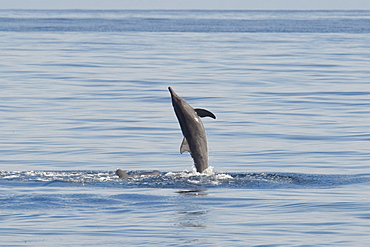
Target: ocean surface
column 85, row 92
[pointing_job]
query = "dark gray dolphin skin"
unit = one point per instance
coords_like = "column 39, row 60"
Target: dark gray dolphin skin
column 124, row 175
column 195, row 139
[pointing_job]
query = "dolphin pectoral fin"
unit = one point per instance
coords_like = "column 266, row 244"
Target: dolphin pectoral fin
column 204, row 113
column 184, row 146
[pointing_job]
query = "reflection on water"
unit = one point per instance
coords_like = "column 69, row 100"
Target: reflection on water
column 191, row 213
column 191, row 217
column 193, row 192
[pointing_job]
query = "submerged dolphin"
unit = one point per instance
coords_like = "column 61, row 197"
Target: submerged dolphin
column 195, row 139
column 124, row 175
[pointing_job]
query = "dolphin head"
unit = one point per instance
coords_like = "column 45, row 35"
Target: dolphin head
column 171, row 91
column 173, row 94
column 180, row 105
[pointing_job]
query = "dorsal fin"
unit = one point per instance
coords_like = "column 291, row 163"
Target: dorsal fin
column 184, row 146
column 204, row 113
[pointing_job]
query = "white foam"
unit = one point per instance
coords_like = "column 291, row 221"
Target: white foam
column 223, row 176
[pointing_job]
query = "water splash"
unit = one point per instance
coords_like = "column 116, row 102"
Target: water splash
column 185, row 179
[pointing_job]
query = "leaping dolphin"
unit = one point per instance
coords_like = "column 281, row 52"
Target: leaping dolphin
column 195, row 139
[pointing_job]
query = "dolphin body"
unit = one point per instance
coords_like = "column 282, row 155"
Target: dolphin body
column 195, row 139
column 124, row 175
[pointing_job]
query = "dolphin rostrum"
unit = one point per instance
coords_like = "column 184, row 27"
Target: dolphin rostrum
column 195, row 139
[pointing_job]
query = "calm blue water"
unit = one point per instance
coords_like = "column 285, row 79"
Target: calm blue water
column 85, row 92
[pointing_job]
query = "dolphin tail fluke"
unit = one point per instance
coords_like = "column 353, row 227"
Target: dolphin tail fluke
column 204, row 113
